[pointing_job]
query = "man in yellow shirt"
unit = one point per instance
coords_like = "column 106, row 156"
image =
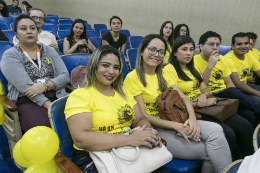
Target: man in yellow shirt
column 241, row 63
column 216, row 75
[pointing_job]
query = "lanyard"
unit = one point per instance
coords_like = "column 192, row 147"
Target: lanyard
column 38, row 57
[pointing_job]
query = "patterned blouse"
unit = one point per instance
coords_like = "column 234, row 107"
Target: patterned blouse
column 80, row 48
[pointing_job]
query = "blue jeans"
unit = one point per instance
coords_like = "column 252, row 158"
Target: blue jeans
column 255, row 98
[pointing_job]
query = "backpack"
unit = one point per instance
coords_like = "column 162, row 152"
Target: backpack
column 77, row 75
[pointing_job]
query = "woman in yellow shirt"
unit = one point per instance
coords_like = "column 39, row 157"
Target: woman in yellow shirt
column 146, row 83
column 101, row 110
column 189, row 81
column 167, row 32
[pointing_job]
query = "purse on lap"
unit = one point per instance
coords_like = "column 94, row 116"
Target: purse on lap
column 130, row 159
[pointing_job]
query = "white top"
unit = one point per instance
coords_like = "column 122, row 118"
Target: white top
column 44, row 37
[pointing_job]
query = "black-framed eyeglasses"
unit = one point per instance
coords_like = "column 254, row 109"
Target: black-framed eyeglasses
column 152, row 51
column 213, row 44
column 186, row 31
column 36, row 18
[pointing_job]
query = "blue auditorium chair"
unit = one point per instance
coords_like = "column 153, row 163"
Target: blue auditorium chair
column 256, row 138
column 18, row 14
column 9, row 34
column 98, row 27
column 50, row 27
column 7, row 21
column 12, row 26
column 224, row 50
column 52, row 21
column 65, row 18
column 91, row 34
column 126, row 32
column 60, row 45
column 62, row 34
column 135, row 41
column 125, row 70
column 65, row 21
column 95, row 41
column 86, row 22
column 103, row 31
column 13, row 16
column 88, row 27
column 64, row 27
column 127, row 45
column 233, row 167
column 3, row 26
column 131, row 54
column 52, row 17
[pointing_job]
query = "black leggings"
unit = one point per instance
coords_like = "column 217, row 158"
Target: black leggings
column 237, row 130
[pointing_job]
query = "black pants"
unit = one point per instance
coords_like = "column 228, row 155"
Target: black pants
column 237, row 130
column 84, row 162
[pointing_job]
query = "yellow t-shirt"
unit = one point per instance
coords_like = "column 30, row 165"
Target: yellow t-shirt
column 256, row 54
column 189, row 88
column 242, row 67
column 109, row 114
column 221, row 70
column 149, row 93
column 168, row 52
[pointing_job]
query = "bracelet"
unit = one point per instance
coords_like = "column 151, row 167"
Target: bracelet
column 205, row 94
column 47, row 86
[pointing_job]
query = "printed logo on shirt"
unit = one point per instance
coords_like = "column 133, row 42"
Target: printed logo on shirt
column 47, row 59
column 125, row 115
column 217, row 74
column 243, row 76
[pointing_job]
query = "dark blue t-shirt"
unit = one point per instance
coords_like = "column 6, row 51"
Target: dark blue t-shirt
column 14, row 10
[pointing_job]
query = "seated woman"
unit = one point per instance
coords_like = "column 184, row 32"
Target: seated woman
column 189, row 81
column 146, row 83
column 26, row 6
column 4, row 12
column 166, row 32
column 36, row 75
column 77, row 41
column 101, row 110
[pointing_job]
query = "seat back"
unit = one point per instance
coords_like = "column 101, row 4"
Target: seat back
column 86, row 22
column 3, row 26
column 95, row 41
column 98, row 27
column 64, row 27
column 125, row 70
column 224, row 50
column 59, row 124
column 65, row 18
column 12, row 26
column 91, row 34
column 126, row 32
column 62, row 34
column 131, row 54
column 135, row 41
column 256, row 138
column 65, row 21
column 88, row 27
column 7, row 21
column 60, row 45
column 103, row 31
column 51, row 21
column 52, row 17
column 50, row 27
column 233, row 167
column 18, row 14
column 13, row 16
column 9, row 34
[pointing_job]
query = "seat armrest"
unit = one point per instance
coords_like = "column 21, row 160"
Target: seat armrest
column 65, row 164
column 10, row 105
column 69, row 88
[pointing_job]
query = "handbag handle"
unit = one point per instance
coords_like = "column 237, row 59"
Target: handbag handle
column 129, row 159
column 164, row 94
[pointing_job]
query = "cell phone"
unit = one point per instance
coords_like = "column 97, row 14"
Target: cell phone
column 153, row 145
column 178, row 134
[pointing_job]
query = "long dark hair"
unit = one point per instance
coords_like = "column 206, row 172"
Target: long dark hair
column 177, row 31
column 170, row 39
column 181, row 40
column 4, row 11
column 83, row 35
column 28, row 6
column 139, row 62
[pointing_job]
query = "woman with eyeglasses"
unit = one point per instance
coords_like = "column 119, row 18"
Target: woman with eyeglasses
column 146, row 83
column 188, row 80
column 35, row 73
column 4, row 12
column 77, row 41
column 167, row 32
column 181, row 29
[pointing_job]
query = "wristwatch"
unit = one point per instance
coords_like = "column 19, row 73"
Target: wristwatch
column 205, row 94
column 47, row 85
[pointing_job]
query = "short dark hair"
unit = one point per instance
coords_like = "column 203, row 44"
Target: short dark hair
column 254, row 35
column 208, row 34
column 115, row 17
column 177, row 31
column 36, row 9
column 22, row 16
column 240, row 34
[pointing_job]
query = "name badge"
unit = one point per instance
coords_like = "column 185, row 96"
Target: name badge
column 40, row 81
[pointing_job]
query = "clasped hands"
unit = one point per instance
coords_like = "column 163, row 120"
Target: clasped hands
column 34, row 90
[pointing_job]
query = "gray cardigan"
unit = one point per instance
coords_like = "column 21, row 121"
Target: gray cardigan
column 12, row 66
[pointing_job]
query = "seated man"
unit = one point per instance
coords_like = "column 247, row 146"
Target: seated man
column 254, row 50
column 216, row 75
column 14, row 7
column 241, row 64
column 44, row 37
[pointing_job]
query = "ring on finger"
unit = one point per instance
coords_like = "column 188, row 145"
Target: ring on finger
column 147, row 138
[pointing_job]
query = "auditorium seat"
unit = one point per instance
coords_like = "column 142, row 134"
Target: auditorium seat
column 131, row 54
column 62, row 34
column 95, row 41
column 103, row 31
column 126, row 32
column 91, row 34
column 256, row 138
column 65, row 21
column 12, row 26
column 60, row 45
column 125, row 70
column 64, row 27
column 135, row 41
column 9, row 34
column 88, row 27
column 98, row 27
column 233, row 167
column 51, row 21
column 3, row 26
column 86, row 22
column 13, row 16
column 52, row 17
column 7, row 21
column 18, row 14
column 50, row 27
column 65, row 18
column 224, row 50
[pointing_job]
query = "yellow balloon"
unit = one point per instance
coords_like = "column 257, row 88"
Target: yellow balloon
column 2, row 104
column 49, row 167
column 19, row 158
column 39, row 144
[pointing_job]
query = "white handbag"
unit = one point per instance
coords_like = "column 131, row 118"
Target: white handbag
column 130, row 159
